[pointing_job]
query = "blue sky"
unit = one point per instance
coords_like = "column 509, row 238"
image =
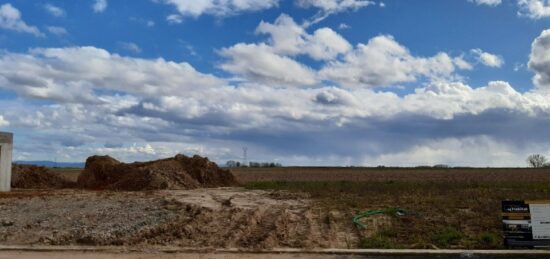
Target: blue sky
column 301, row 82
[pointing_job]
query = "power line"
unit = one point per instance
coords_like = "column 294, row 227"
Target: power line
column 245, row 156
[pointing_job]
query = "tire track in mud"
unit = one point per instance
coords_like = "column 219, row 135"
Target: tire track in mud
column 251, row 219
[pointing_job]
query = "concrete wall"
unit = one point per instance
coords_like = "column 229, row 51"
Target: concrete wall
column 6, row 146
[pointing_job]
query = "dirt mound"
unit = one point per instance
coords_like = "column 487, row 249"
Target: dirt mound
column 179, row 172
column 37, row 177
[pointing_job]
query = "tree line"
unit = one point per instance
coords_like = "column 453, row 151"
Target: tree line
column 233, row 164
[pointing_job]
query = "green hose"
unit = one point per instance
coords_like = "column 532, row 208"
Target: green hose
column 393, row 211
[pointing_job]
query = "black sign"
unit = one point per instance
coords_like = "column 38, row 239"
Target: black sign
column 517, row 227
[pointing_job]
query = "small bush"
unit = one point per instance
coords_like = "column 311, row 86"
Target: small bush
column 489, row 240
column 377, row 241
column 446, row 237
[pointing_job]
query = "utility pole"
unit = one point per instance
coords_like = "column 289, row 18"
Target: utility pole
column 245, row 156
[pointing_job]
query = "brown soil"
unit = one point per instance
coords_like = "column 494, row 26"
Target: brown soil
column 37, row 177
column 208, row 217
column 413, row 175
column 179, row 172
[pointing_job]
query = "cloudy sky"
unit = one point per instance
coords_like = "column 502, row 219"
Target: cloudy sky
column 300, row 82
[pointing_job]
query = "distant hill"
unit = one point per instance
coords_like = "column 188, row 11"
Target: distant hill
column 51, row 164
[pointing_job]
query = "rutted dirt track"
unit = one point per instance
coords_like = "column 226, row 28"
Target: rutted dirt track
column 218, row 217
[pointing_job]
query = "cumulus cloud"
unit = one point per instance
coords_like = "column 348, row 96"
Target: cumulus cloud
column 11, row 19
column 534, row 9
column 54, row 10
column 382, row 62
column 71, row 74
column 486, row 2
column 539, row 60
column 258, row 62
column 283, row 109
column 272, row 62
column 299, row 124
column 487, row 58
column 166, row 107
column 219, row 7
column 289, row 38
column 461, row 63
column 99, row 6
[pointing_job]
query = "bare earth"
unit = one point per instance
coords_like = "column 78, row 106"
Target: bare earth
column 217, row 217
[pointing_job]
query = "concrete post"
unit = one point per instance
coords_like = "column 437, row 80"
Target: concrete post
column 6, row 146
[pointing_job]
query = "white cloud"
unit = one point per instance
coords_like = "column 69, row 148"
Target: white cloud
column 162, row 102
column 462, row 64
column 519, row 66
column 329, row 7
column 54, row 10
column 99, row 6
column 57, row 30
column 382, row 62
column 174, row 19
column 10, row 19
column 488, row 59
column 146, row 149
column 343, row 26
column 539, row 60
column 284, row 106
column 479, row 151
column 70, row 74
column 486, row 2
column 130, row 46
column 197, row 8
column 258, row 62
column 3, row 122
column 288, row 38
column 334, row 6
column 534, row 9
column 273, row 62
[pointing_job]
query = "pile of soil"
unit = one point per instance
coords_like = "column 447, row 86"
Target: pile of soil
column 37, row 177
column 179, row 172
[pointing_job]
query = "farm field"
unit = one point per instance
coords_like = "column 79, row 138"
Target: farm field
column 445, row 207
column 372, row 174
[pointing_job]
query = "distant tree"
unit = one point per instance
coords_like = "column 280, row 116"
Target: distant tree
column 231, row 164
column 536, row 160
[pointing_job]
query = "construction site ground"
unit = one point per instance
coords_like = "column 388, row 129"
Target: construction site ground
column 446, row 209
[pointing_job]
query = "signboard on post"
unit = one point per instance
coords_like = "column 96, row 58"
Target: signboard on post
column 526, row 223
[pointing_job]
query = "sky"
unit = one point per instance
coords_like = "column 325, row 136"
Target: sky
column 297, row 82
